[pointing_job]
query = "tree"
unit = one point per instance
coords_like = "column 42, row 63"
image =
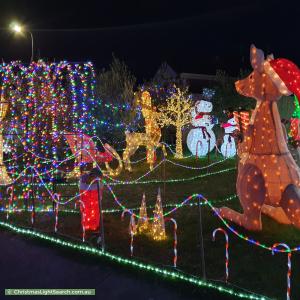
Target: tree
column 226, row 95
column 176, row 112
column 115, row 86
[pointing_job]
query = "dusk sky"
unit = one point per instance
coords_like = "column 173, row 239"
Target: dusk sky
column 192, row 36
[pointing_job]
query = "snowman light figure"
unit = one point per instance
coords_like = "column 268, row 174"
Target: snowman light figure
column 201, row 139
column 228, row 148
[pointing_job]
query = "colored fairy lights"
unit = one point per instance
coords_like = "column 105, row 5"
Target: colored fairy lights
column 118, row 210
column 46, row 99
column 184, row 202
column 43, row 136
column 174, row 180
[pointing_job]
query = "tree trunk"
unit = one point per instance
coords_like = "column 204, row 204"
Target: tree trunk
column 179, row 153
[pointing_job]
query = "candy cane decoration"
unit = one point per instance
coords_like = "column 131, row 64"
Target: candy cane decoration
column 197, row 147
column 10, row 190
column 226, row 250
column 27, row 200
column 175, row 240
column 132, row 228
column 32, row 209
column 32, row 215
column 289, row 273
column 83, row 216
column 57, row 197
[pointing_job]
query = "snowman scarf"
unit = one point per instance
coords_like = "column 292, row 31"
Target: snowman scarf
column 203, row 128
column 205, row 133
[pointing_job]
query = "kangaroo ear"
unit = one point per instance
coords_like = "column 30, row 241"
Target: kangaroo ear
column 257, row 58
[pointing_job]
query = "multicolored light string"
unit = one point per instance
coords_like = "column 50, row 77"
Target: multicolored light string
column 196, row 168
column 184, row 202
column 241, row 236
column 273, row 250
column 150, row 218
column 175, row 180
column 57, row 162
column 244, row 237
column 180, row 205
column 173, row 152
column 118, row 210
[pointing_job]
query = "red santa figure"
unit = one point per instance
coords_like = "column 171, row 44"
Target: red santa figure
column 90, row 199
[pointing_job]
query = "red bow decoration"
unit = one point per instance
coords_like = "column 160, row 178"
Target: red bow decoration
column 225, row 125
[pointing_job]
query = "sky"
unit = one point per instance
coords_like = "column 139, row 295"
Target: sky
column 191, row 36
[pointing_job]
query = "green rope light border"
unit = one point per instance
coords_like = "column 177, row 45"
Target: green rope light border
column 139, row 265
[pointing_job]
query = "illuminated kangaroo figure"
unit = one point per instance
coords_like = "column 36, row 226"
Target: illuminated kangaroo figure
column 268, row 178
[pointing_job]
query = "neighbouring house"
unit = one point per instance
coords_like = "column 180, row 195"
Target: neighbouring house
column 196, row 82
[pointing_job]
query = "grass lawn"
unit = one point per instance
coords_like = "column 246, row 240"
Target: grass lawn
column 251, row 267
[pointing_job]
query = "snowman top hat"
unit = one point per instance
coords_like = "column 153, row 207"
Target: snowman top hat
column 207, row 94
